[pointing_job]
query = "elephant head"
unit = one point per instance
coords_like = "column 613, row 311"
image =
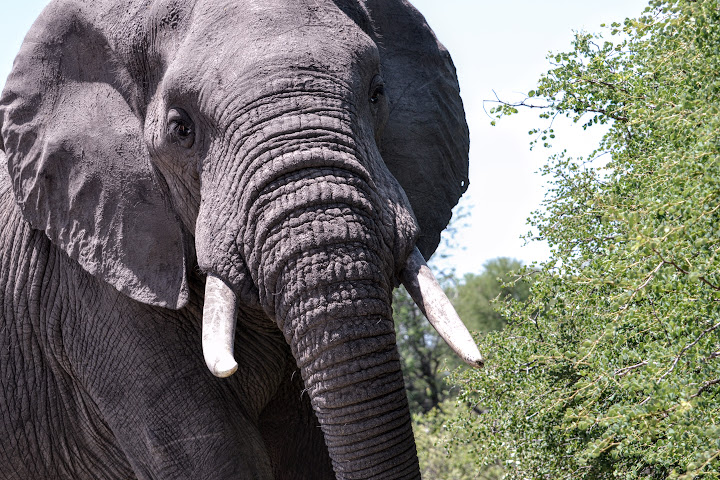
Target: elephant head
column 297, row 153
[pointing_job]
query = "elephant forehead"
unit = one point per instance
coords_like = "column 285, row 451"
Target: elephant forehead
column 251, row 37
column 273, row 16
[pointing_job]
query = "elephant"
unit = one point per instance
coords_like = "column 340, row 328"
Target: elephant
column 205, row 206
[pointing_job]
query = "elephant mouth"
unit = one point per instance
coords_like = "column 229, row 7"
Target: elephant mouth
column 219, row 317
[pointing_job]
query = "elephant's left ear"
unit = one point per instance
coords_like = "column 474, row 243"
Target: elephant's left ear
column 426, row 140
column 79, row 166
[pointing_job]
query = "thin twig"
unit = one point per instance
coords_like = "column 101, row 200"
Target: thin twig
column 708, row 461
column 680, row 269
column 687, row 347
column 605, row 84
column 705, row 386
column 624, row 371
column 537, row 327
column 651, row 275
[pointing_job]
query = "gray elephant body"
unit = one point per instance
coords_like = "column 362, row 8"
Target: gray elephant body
column 94, row 385
column 149, row 144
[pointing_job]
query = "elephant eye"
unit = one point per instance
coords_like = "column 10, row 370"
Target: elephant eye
column 377, row 90
column 379, row 106
column 180, row 128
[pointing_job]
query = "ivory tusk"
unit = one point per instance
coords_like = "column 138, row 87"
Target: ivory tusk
column 218, row 330
column 432, row 301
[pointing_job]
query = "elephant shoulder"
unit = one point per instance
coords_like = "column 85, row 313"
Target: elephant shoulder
column 17, row 237
column 8, row 207
column 4, row 176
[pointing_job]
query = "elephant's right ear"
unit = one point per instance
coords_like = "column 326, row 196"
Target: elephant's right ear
column 79, row 166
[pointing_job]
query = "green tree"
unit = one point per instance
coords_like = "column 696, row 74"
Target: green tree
column 475, row 295
column 612, row 369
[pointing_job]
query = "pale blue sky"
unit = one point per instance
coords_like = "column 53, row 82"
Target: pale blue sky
column 501, row 47
column 498, row 46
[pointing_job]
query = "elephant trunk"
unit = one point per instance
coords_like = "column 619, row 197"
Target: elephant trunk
column 335, row 312
column 324, row 254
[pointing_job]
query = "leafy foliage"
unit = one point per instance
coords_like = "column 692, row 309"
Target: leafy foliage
column 612, row 369
column 443, row 454
column 474, row 296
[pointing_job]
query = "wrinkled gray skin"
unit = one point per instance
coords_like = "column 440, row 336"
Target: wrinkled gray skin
column 298, row 150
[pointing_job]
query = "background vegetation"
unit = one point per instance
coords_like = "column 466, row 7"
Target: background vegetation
column 604, row 360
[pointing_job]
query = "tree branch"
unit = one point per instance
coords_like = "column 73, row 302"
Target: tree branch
column 680, row 269
column 705, row 386
column 624, row 371
column 686, row 348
